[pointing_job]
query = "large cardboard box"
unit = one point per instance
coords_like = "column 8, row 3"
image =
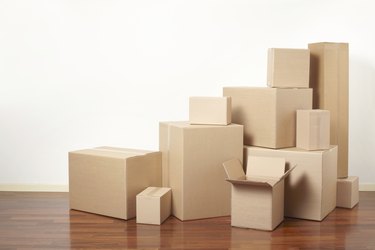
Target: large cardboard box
column 313, row 129
column 268, row 114
column 210, row 110
column 310, row 190
column 288, row 68
column 192, row 167
column 106, row 180
column 258, row 197
column 154, row 205
column 329, row 77
column 347, row 192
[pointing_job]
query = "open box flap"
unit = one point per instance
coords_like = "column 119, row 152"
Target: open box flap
column 273, row 167
column 234, row 170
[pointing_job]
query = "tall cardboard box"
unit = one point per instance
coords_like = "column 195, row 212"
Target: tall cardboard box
column 288, row 68
column 192, row 167
column 258, row 197
column 329, row 77
column 268, row 114
column 310, row 190
column 347, row 192
column 210, row 110
column 106, row 180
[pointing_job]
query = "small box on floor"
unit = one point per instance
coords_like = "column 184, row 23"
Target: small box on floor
column 347, row 192
column 210, row 110
column 153, row 205
column 258, row 197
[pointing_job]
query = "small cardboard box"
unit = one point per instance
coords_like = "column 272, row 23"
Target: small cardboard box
column 210, row 110
column 268, row 114
column 288, row 68
column 106, row 180
column 310, row 190
column 313, row 129
column 329, row 77
column 258, row 197
column 347, row 192
column 192, row 167
column 154, row 205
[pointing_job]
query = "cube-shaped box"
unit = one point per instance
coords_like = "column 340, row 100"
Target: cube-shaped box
column 347, row 192
column 268, row 114
column 106, row 180
column 313, row 128
column 288, row 68
column 310, row 190
column 192, row 167
column 154, row 205
column 210, row 110
column 258, row 197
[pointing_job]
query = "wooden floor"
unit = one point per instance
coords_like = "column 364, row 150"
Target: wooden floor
column 44, row 221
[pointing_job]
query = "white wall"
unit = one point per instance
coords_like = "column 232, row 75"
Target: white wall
column 78, row 74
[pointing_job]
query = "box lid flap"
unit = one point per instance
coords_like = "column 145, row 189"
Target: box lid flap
column 265, row 167
column 234, row 170
column 154, row 191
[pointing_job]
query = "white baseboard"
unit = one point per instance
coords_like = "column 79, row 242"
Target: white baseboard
column 34, row 188
column 367, row 187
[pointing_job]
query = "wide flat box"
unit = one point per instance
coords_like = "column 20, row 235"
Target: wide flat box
column 329, row 77
column 154, row 205
column 210, row 110
column 313, row 128
column 192, row 167
column 258, row 196
column 288, row 68
column 347, row 192
column 106, row 180
column 268, row 114
column 310, row 190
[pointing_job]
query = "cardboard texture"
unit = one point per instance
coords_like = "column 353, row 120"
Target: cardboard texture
column 329, row 77
column 210, row 110
column 258, row 197
column 310, row 190
column 268, row 114
column 106, row 180
column 192, row 167
column 288, row 68
column 313, row 128
column 154, row 205
column 347, row 192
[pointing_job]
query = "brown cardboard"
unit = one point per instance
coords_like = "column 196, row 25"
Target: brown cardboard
column 268, row 114
column 210, row 110
column 347, row 192
column 106, row 180
column 313, row 128
column 310, row 190
column 288, row 68
column 154, row 205
column 329, row 77
column 258, row 197
column 192, row 167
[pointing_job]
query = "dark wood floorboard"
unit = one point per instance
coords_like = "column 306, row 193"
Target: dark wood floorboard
column 44, row 221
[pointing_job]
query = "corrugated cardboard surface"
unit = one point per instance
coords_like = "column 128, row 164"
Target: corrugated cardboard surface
column 195, row 154
column 329, row 77
column 210, row 110
column 288, row 68
column 310, row 190
column 268, row 114
column 348, row 192
column 106, row 180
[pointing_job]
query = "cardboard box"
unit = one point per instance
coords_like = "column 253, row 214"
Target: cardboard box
column 210, row 110
column 192, row 167
column 313, row 129
column 329, row 77
column 310, row 190
column 288, row 68
column 347, row 192
column 268, row 114
column 106, row 180
column 258, row 197
column 154, row 205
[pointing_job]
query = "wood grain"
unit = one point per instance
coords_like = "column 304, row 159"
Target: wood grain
column 44, row 221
